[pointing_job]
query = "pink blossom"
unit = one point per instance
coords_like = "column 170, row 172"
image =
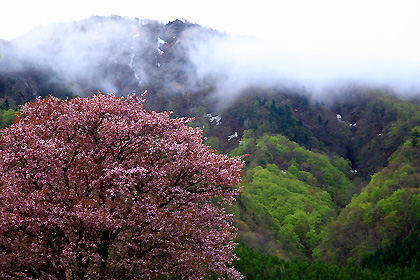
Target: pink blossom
column 102, row 188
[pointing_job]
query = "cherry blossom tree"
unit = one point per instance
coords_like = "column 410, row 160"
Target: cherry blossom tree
column 101, row 188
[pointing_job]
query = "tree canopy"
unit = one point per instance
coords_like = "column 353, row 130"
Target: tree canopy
column 102, row 188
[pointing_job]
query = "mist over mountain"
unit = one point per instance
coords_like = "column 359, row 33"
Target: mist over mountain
column 124, row 55
column 197, row 71
column 114, row 54
column 241, row 62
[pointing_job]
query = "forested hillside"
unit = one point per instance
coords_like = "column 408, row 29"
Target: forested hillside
column 331, row 183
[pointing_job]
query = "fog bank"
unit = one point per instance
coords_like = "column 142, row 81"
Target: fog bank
column 124, row 55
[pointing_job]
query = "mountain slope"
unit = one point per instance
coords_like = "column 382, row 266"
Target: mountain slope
column 308, row 190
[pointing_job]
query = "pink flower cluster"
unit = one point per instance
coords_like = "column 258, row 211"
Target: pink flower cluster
column 102, row 188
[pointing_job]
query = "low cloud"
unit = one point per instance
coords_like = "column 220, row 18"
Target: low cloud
column 122, row 54
column 79, row 52
column 238, row 62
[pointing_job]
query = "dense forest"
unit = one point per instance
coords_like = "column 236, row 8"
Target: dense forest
column 331, row 185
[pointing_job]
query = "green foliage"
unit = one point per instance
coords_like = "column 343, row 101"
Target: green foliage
column 7, row 117
column 283, row 121
column 292, row 190
column 255, row 265
column 385, row 123
column 415, row 136
column 402, row 253
column 313, row 169
column 6, row 105
column 386, row 209
column 298, row 210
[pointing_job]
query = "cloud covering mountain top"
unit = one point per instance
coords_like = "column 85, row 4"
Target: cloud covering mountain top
column 120, row 54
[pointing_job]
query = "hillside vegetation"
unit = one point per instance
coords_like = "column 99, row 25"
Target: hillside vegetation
column 331, row 185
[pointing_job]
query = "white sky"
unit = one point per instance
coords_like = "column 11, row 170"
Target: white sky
column 383, row 27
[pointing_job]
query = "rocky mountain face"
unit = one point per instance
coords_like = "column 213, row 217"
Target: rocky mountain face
column 109, row 54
